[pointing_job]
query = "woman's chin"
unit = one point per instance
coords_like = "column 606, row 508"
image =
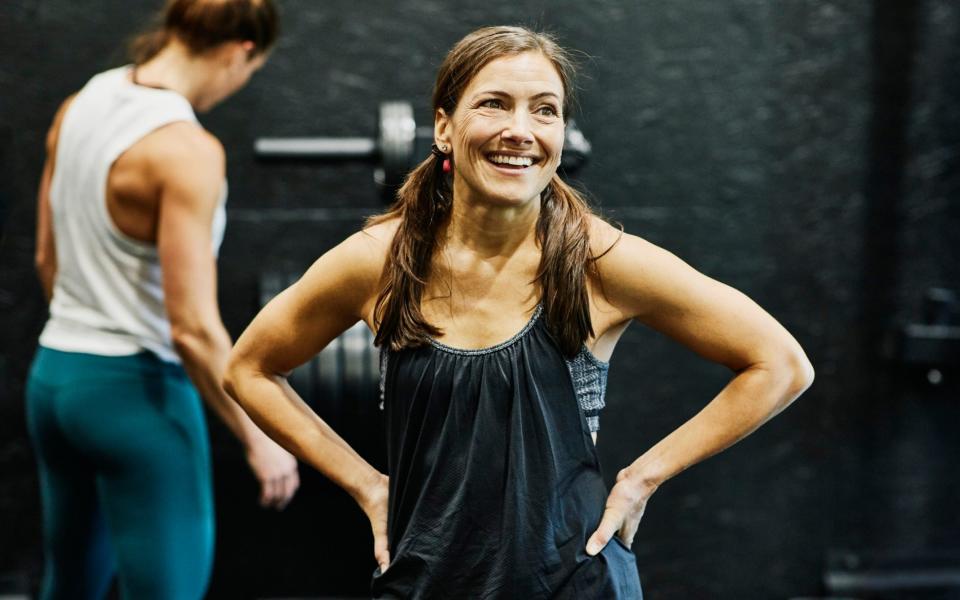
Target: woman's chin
column 509, row 195
column 510, row 200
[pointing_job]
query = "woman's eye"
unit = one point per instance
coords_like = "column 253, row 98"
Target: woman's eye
column 492, row 103
column 547, row 111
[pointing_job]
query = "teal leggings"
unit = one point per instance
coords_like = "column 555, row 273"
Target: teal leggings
column 124, row 476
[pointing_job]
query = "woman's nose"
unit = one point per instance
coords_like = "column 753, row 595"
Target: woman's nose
column 517, row 130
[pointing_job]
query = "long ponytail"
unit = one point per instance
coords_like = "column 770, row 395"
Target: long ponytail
column 423, row 206
column 563, row 233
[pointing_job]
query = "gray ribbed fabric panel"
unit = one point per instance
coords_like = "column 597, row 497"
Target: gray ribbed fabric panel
column 589, row 375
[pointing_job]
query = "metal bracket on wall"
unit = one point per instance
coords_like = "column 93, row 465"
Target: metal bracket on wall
column 933, row 344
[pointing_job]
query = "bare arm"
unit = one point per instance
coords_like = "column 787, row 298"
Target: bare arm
column 335, row 293
column 45, row 256
column 648, row 284
column 190, row 164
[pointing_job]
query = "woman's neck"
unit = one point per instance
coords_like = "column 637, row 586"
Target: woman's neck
column 175, row 69
column 488, row 229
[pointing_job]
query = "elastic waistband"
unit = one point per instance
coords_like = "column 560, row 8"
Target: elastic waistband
column 57, row 366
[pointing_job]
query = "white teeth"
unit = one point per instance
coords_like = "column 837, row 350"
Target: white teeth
column 518, row 161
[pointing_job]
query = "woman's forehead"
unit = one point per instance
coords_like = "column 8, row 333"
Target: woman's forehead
column 528, row 73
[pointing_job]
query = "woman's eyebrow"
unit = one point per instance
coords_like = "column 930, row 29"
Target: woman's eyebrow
column 492, row 93
column 507, row 95
column 545, row 95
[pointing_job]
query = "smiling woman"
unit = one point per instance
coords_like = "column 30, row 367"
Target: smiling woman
column 497, row 297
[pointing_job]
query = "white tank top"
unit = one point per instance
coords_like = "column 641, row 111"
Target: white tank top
column 108, row 294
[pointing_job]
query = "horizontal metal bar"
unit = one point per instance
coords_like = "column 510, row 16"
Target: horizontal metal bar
column 892, row 580
column 923, row 344
column 302, row 215
column 317, row 147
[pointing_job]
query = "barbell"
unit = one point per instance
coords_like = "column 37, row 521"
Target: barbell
column 398, row 146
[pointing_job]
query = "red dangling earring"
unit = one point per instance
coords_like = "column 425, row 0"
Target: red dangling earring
column 446, row 165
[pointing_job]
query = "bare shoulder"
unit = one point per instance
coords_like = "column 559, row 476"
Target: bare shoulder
column 53, row 133
column 352, row 270
column 634, row 271
column 182, row 160
column 184, row 145
column 616, row 252
column 603, row 236
column 381, row 234
column 371, row 245
column 612, row 245
column 606, row 243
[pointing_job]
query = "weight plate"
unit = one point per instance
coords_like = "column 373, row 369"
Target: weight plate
column 398, row 134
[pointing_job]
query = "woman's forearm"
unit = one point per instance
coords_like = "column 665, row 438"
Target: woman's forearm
column 204, row 351
column 277, row 409
column 749, row 400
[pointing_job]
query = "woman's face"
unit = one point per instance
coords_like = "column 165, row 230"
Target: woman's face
column 506, row 133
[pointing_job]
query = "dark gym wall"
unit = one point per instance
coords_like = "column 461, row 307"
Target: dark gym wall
column 805, row 152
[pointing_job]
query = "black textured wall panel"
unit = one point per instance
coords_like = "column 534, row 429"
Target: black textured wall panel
column 805, row 152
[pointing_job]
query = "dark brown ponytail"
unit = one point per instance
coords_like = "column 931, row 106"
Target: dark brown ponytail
column 563, row 232
column 423, row 206
column 147, row 45
column 204, row 24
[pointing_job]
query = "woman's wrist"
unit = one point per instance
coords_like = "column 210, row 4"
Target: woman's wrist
column 251, row 437
column 370, row 490
column 643, row 474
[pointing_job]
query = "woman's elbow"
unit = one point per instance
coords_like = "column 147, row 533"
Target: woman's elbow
column 798, row 374
column 45, row 264
column 40, row 261
column 233, row 376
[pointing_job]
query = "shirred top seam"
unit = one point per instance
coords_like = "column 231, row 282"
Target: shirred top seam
column 491, row 349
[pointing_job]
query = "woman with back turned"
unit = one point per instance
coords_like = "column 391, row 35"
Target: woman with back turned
column 497, row 298
column 130, row 216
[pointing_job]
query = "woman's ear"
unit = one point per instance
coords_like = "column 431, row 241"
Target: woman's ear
column 237, row 53
column 441, row 130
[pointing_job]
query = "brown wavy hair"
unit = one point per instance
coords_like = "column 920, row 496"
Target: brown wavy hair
column 424, row 201
column 205, row 24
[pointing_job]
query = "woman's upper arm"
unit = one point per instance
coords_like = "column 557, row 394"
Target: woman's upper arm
column 45, row 249
column 653, row 286
column 335, row 292
column 188, row 165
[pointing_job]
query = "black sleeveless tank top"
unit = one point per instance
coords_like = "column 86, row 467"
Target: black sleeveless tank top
column 495, row 484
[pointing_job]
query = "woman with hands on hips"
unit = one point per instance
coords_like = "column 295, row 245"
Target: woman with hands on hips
column 497, row 298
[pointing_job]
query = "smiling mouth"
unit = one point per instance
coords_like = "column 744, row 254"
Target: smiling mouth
column 511, row 161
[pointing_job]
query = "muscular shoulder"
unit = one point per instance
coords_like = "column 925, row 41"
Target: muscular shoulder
column 348, row 275
column 371, row 246
column 381, row 233
column 630, row 269
column 181, row 158
column 183, row 145
column 603, row 236
column 53, row 133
